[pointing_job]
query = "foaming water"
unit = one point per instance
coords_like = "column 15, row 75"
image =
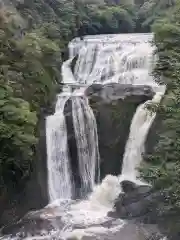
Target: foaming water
column 94, row 209
column 90, row 214
column 81, row 218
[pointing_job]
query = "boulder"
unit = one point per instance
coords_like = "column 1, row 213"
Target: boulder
column 129, row 187
column 114, row 91
column 137, row 202
column 35, row 223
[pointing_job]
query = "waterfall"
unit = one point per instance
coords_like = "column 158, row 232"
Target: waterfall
column 60, row 183
column 102, row 59
column 124, row 59
column 141, row 123
column 87, row 142
column 59, row 179
column 121, row 58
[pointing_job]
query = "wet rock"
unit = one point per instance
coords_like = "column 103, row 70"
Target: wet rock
column 137, row 203
column 128, row 186
column 35, row 223
column 93, row 89
column 131, row 188
column 73, row 63
column 47, row 224
column 114, row 91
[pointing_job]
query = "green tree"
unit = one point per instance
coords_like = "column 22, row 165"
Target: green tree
column 162, row 168
column 152, row 10
column 29, row 75
column 17, row 137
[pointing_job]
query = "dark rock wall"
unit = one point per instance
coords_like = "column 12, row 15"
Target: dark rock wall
column 114, row 106
column 73, row 154
column 113, row 123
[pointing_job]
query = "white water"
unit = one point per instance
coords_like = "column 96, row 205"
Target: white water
column 141, row 123
column 59, row 177
column 87, row 141
column 60, row 181
column 91, row 213
column 123, row 58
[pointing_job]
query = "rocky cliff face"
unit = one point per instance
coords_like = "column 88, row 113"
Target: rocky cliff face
column 115, row 91
column 114, row 106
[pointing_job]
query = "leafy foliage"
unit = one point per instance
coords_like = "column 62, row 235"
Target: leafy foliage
column 152, row 10
column 17, row 136
column 28, row 78
column 163, row 166
column 110, row 19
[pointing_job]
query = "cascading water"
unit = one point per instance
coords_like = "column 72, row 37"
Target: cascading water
column 59, row 179
column 126, row 59
column 87, row 142
column 140, row 126
column 117, row 58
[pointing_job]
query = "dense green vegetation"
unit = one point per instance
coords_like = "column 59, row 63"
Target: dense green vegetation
column 28, row 78
column 163, row 166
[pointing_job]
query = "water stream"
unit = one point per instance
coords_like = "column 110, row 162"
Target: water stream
column 59, row 178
